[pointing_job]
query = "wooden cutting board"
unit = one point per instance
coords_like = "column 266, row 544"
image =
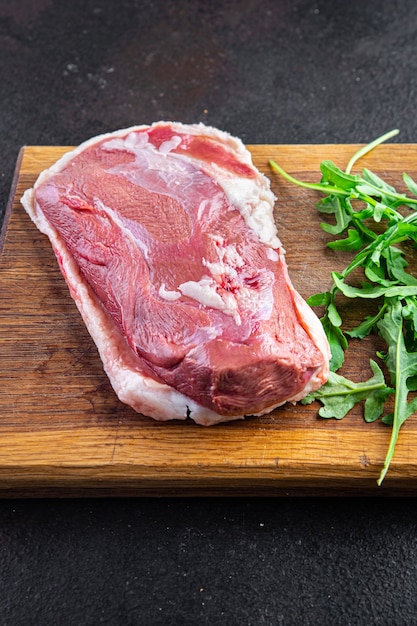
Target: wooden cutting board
column 63, row 432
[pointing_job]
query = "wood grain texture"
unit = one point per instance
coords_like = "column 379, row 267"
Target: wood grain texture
column 63, row 431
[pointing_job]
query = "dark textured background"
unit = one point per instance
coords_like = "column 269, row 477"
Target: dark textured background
column 269, row 72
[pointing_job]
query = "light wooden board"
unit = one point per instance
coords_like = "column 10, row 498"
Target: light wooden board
column 63, row 432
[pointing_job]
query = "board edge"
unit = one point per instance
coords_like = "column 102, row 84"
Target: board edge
column 11, row 198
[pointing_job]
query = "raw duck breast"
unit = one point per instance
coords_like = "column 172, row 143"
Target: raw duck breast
column 166, row 237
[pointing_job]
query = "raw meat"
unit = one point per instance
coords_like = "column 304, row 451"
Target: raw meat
column 166, row 238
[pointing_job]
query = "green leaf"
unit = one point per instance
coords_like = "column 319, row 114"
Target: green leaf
column 394, row 234
column 367, row 326
column 335, row 176
column 401, row 365
column 411, row 184
column 328, row 204
column 410, row 310
column 388, row 419
column 411, row 409
column 368, row 190
column 375, row 402
column 354, row 241
column 333, row 315
column 376, row 181
column 376, row 273
column 319, row 299
column 335, row 229
column 378, row 188
column 360, row 216
column 339, row 395
column 337, row 342
column 396, row 265
column 368, row 290
column 379, row 211
column 342, row 213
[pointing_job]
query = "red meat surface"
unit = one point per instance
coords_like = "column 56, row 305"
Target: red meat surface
column 165, row 236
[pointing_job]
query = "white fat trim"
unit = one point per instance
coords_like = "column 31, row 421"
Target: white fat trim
column 232, row 257
column 202, row 207
column 205, row 292
column 192, row 129
column 218, row 239
column 272, row 254
column 229, row 260
column 258, row 302
column 218, row 269
column 114, row 145
column 168, row 294
column 114, row 217
column 252, row 197
column 132, row 143
column 255, row 204
column 171, row 144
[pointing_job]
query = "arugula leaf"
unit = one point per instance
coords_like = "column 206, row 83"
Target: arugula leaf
column 376, row 181
column 368, row 290
column 410, row 311
column 335, row 176
column 411, row 408
column 337, row 342
column 367, row 325
column 339, row 395
column 319, row 299
column 411, row 184
column 397, row 265
column 401, row 365
column 354, row 241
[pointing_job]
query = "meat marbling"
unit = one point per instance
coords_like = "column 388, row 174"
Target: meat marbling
column 166, row 237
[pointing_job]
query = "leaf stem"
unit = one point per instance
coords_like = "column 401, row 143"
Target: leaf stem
column 398, row 406
column 324, row 188
column 370, row 146
column 351, row 390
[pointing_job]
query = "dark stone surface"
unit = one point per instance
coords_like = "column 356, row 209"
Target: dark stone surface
column 188, row 562
column 269, row 72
